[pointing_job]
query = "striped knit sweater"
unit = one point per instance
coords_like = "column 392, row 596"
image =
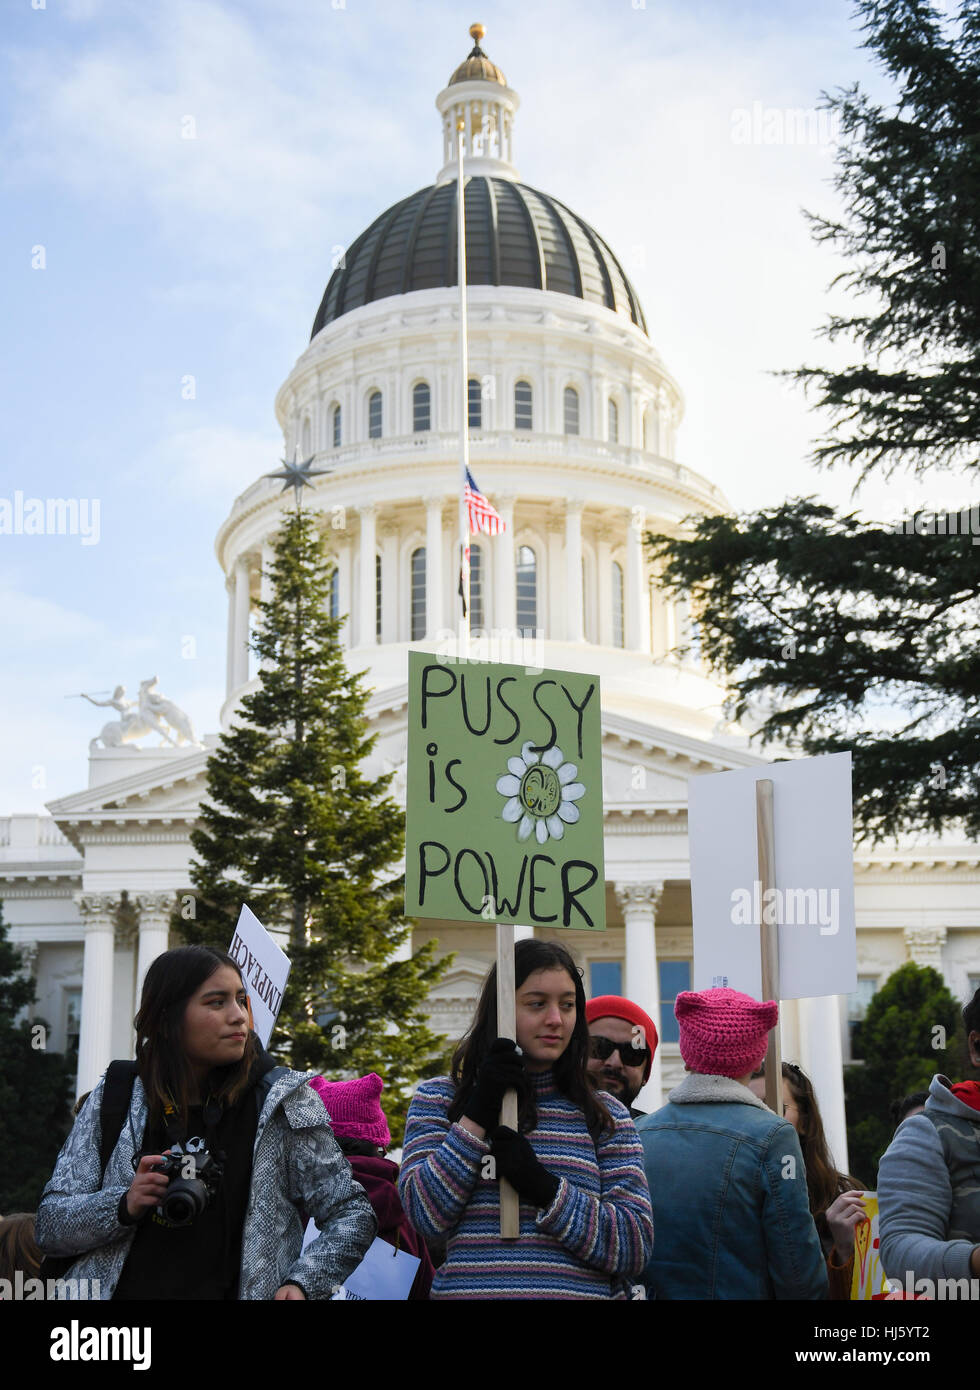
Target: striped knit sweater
column 597, row 1233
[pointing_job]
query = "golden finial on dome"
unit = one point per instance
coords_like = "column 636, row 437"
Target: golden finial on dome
column 476, row 66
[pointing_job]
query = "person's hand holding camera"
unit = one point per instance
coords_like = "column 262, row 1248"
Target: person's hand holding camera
column 502, row 1070
column 147, row 1188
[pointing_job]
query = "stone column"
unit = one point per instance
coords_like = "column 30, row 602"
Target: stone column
column 95, row 1036
column 240, row 638
column 344, row 592
column 925, row 945
column 573, row 570
column 435, row 621
column 265, row 583
column 154, row 932
column 633, row 595
column 230, row 657
column 367, row 586
column 638, row 903
column 604, row 587
column 389, row 583
column 504, row 617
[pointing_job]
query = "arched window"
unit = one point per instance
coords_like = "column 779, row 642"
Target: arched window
column 523, row 406
column 333, row 592
column 418, row 594
column 421, row 407
column 377, row 597
column 476, row 589
column 613, row 422
column 571, row 410
column 307, row 438
column 335, row 418
column 374, row 415
column 618, row 624
column 474, row 397
column 527, row 591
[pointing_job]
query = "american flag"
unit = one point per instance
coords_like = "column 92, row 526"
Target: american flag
column 481, row 514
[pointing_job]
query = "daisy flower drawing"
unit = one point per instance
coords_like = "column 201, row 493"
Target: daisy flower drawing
column 541, row 793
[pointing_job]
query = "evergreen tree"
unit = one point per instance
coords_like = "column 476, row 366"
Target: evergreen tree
column 833, row 630
column 912, row 1030
column 291, row 826
column 34, row 1090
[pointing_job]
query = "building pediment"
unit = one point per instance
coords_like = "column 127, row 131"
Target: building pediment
column 159, row 789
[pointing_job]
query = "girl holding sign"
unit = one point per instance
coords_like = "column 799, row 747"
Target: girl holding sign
column 586, row 1227
column 181, row 1175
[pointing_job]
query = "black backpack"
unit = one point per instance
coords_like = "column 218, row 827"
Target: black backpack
column 116, row 1096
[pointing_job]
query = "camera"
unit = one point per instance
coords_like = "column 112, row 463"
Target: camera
column 194, row 1180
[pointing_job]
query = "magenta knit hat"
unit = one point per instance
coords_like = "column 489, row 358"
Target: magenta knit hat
column 722, row 1032
column 354, row 1108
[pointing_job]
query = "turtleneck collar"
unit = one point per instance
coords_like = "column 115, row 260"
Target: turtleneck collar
column 542, row 1083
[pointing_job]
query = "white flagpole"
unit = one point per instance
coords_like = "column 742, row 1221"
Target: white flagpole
column 506, row 1021
column 464, row 433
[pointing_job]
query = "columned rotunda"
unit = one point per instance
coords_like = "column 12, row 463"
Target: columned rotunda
column 573, row 421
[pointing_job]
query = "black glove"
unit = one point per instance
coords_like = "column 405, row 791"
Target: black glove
column 501, row 1070
column 519, row 1164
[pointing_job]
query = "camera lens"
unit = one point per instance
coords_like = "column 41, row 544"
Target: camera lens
column 184, row 1202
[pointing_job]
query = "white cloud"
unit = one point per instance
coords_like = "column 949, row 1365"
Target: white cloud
column 31, row 620
column 208, row 462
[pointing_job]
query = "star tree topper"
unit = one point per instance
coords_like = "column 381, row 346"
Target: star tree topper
column 298, row 475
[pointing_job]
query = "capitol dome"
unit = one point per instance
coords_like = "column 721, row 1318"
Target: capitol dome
column 514, row 236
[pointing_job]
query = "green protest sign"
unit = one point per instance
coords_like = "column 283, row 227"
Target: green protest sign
column 504, row 796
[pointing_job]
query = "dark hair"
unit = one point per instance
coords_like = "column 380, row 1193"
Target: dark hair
column 363, row 1147
column 971, row 1015
column 570, row 1071
column 18, row 1248
column 900, row 1108
column 163, row 1067
column 824, row 1184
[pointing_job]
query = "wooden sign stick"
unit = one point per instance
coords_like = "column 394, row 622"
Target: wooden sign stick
column 769, row 934
column 510, row 1215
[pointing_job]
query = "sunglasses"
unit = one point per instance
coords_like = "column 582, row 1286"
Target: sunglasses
column 603, row 1049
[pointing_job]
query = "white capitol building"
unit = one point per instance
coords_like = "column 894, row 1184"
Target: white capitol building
column 574, row 436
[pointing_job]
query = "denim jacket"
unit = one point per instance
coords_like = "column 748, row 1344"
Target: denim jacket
column 296, row 1161
column 730, row 1208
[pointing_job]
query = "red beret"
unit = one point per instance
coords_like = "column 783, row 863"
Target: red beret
column 615, row 1006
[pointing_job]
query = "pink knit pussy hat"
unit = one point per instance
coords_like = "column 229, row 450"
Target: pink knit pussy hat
column 722, row 1032
column 354, row 1108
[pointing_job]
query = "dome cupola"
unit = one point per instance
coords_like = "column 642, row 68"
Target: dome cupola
column 478, row 96
column 515, row 235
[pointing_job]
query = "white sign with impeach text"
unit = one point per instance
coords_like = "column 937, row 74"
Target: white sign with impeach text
column 265, row 970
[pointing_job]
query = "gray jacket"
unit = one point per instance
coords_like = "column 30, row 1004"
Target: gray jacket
column 929, row 1190
column 295, row 1160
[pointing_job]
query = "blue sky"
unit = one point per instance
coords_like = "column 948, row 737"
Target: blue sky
column 168, row 257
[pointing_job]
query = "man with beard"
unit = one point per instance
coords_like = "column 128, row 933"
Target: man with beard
column 622, row 1043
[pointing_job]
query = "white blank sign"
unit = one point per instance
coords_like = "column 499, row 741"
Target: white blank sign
column 813, row 900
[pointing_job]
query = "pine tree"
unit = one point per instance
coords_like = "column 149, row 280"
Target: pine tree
column 291, row 825
column 835, row 632
column 912, row 1030
column 34, row 1090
